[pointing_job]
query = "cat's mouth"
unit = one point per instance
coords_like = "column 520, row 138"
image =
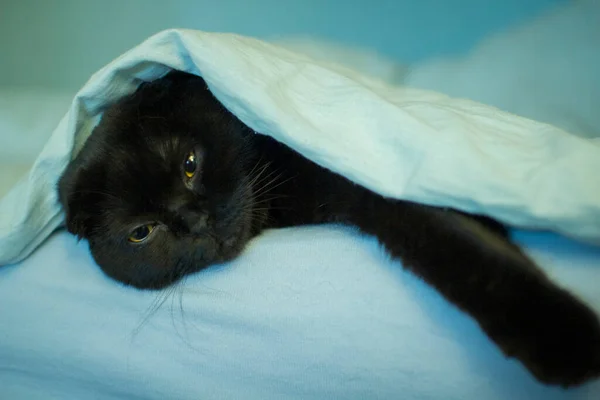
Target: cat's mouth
column 232, row 232
column 230, row 243
column 231, row 239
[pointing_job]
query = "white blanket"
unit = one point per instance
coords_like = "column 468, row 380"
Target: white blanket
column 400, row 142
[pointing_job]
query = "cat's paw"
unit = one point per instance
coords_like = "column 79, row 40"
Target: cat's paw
column 554, row 335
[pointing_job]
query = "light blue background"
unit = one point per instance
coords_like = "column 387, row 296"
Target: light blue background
column 60, row 43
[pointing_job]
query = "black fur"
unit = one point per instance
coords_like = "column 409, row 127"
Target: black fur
column 129, row 173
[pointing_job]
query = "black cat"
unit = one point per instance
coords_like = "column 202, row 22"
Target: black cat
column 171, row 182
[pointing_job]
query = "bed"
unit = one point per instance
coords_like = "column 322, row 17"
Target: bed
column 306, row 313
column 344, row 323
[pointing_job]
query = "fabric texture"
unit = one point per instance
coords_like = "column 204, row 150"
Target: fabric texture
column 404, row 143
column 306, row 313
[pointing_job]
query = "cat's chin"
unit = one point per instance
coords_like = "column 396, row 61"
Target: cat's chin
column 232, row 241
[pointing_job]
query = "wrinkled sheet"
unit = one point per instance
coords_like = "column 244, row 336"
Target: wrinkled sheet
column 307, row 313
column 400, row 142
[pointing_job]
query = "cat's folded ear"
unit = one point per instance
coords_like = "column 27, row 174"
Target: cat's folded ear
column 71, row 201
column 77, row 199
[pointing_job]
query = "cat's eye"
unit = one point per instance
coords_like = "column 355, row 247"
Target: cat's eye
column 140, row 233
column 190, row 165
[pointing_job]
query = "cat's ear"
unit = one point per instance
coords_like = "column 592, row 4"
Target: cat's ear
column 71, row 202
column 76, row 198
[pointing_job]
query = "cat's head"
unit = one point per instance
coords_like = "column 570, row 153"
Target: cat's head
column 162, row 187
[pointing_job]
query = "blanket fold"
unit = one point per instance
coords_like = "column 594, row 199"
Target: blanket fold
column 403, row 143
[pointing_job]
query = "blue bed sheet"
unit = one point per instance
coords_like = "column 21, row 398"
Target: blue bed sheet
column 305, row 313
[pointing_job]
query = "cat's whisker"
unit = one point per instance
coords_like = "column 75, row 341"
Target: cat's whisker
column 264, row 167
column 156, row 304
column 184, row 320
column 160, row 299
column 184, row 337
column 265, row 190
column 259, row 176
column 249, row 188
column 256, row 186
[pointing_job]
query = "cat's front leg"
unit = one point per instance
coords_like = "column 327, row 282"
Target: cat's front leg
column 554, row 335
column 551, row 332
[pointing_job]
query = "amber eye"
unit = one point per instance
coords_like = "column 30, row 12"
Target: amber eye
column 190, row 164
column 140, row 233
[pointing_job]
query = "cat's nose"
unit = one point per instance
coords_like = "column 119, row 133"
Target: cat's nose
column 194, row 219
column 189, row 212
